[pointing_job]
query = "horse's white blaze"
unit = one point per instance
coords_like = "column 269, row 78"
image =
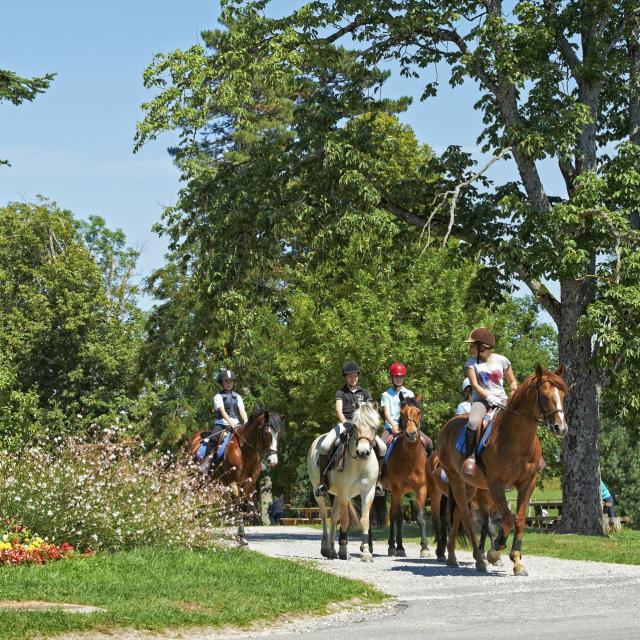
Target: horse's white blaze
column 560, row 410
column 272, row 460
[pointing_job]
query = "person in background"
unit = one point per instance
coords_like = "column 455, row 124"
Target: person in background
column 465, row 405
column 276, row 510
column 608, row 500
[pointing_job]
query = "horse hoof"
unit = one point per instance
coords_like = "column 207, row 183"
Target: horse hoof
column 481, row 566
column 452, row 563
column 519, row 570
column 344, row 556
column 243, row 542
column 331, row 554
column 493, row 557
column 441, row 558
column 391, row 551
column 366, row 557
column 425, row 553
column 401, row 553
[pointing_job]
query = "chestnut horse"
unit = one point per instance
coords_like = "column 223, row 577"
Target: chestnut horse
column 242, row 464
column 406, row 470
column 510, row 459
column 438, row 490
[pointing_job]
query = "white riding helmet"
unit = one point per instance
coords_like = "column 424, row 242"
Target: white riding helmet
column 465, row 383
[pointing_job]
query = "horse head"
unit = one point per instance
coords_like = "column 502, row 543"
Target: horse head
column 550, row 393
column 410, row 416
column 366, row 420
column 270, row 427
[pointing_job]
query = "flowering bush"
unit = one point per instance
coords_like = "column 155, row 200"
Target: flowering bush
column 19, row 545
column 112, row 496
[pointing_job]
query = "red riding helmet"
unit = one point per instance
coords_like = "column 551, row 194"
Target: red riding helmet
column 397, row 369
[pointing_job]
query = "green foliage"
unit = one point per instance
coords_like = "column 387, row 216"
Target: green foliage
column 69, row 350
column 17, row 90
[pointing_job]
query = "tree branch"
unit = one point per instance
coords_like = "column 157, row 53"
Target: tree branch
column 540, row 292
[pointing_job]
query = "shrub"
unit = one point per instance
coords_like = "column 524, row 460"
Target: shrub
column 109, row 496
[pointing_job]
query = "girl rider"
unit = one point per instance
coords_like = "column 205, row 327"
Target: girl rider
column 346, row 398
column 486, row 371
column 390, row 401
column 228, row 404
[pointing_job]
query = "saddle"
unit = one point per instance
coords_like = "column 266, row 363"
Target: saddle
column 338, row 451
column 215, row 449
column 425, row 440
column 482, row 436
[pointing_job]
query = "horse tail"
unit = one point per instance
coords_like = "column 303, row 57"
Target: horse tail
column 451, row 508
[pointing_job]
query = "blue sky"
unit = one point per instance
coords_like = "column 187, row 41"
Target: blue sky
column 74, row 143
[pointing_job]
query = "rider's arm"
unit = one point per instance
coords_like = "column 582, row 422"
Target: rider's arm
column 241, row 411
column 339, row 413
column 481, row 391
column 511, row 378
column 390, row 420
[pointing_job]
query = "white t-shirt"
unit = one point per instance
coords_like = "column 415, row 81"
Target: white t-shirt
column 489, row 374
column 463, row 407
column 391, row 398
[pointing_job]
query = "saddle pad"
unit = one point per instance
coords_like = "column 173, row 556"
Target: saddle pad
column 222, row 448
column 390, row 447
column 486, row 434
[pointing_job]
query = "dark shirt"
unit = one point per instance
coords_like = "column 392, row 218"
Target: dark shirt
column 349, row 399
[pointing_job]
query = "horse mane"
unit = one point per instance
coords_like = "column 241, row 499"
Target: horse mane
column 367, row 414
column 521, row 393
column 411, row 401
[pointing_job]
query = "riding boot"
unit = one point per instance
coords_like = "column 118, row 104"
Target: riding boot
column 323, row 487
column 469, row 465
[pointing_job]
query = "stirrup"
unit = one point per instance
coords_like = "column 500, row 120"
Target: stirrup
column 469, row 467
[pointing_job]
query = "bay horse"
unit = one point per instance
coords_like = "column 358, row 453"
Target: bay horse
column 406, row 470
column 511, row 458
column 358, row 477
column 243, row 461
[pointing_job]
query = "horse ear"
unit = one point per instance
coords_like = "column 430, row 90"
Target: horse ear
column 539, row 370
column 283, row 417
column 375, row 404
column 560, row 370
column 402, row 396
column 265, row 417
column 419, row 398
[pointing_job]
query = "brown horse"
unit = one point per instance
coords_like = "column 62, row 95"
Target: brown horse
column 406, row 471
column 242, row 464
column 510, row 459
column 438, row 490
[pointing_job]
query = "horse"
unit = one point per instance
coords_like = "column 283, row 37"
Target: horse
column 358, row 477
column 242, row 463
column 510, row 459
column 406, row 470
column 437, row 491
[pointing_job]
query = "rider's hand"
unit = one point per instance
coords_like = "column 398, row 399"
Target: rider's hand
column 496, row 401
column 233, row 423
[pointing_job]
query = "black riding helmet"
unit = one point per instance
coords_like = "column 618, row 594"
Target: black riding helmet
column 225, row 374
column 350, row 367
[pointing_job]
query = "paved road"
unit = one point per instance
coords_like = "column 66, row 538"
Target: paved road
column 560, row 599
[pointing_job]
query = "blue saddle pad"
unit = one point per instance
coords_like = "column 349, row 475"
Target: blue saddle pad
column 390, row 448
column 484, row 440
column 222, row 448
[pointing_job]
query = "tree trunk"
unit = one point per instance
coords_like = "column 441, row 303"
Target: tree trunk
column 265, row 493
column 581, row 507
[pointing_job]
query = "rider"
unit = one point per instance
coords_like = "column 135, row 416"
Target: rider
column 465, row 405
column 346, row 398
column 486, row 371
column 228, row 405
column 390, row 400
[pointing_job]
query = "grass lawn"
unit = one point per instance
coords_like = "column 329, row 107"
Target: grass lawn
column 621, row 548
column 156, row 589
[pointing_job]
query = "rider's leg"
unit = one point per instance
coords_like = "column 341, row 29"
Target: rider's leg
column 324, row 451
column 476, row 415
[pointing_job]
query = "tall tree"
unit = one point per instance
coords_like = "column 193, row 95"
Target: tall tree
column 281, row 139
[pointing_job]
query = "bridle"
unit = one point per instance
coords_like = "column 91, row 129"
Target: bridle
column 264, row 450
column 405, row 422
column 351, row 432
column 545, row 415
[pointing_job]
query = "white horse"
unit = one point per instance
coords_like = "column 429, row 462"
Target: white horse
column 357, row 478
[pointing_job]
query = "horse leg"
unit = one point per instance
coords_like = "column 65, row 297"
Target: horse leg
column 421, row 498
column 392, row 526
column 370, row 538
column 439, row 517
column 331, row 542
column 459, row 491
column 325, row 547
column 454, row 519
column 343, row 552
column 366, row 500
column 506, row 522
column 524, row 495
